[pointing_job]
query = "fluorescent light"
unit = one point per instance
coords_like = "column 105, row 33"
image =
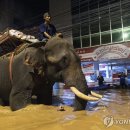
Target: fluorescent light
column 125, row 35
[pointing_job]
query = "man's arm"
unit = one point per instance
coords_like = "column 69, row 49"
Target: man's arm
column 47, row 35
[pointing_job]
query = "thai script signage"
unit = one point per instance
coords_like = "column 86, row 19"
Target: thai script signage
column 116, row 51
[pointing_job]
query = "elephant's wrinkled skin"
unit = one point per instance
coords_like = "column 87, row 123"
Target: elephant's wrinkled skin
column 36, row 69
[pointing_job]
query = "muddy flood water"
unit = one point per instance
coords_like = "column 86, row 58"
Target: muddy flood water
column 111, row 113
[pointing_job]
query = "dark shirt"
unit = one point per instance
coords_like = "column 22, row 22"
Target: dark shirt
column 122, row 80
column 50, row 29
column 100, row 80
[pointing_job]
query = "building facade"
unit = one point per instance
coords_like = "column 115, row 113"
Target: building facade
column 100, row 34
column 60, row 11
column 100, row 22
column 21, row 14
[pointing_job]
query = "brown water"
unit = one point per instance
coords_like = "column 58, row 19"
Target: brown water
column 116, row 103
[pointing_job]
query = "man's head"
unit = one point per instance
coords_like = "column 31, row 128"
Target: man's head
column 47, row 17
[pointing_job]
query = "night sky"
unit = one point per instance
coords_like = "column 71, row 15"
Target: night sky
column 22, row 13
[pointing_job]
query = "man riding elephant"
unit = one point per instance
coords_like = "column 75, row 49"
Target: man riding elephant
column 47, row 30
column 34, row 70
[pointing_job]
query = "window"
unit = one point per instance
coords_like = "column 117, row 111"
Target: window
column 114, row 1
column 84, row 17
column 76, row 30
column 115, row 10
column 85, row 28
column 76, row 42
column 75, row 19
column 85, row 41
column 93, row 4
column 105, row 37
column 116, row 23
column 104, row 12
column 117, row 35
column 126, row 34
column 103, row 3
column 75, row 10
column 75, row 7
column 95, row 39
column 94, row 27
column 83, row 6
column 104, row 24
column 126, row 21
column 125, row 7
column 115, row 15
column 104, row 19
column 93, row 15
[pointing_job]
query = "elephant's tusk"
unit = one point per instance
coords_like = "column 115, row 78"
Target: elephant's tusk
column 96, row 95
column 83, row 96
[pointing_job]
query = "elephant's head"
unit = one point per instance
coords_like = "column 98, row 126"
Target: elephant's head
column 63, row 64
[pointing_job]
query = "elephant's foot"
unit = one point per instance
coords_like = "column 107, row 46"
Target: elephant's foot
column 16, row 106
column 19, row 100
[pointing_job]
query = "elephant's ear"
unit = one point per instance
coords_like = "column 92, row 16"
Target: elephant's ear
column 37, row 44
column 33, row 56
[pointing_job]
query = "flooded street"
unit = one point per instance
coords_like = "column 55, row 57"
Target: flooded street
column 112, row 112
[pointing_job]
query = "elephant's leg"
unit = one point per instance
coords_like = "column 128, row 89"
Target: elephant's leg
column 20, row 99
column 79, row 104
column 21, row 92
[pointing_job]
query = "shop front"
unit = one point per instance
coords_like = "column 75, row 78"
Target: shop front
column 109, row 61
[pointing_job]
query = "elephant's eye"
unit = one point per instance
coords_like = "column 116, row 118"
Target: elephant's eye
column 64, row 59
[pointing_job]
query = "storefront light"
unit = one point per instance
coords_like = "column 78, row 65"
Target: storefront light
column 125, row 35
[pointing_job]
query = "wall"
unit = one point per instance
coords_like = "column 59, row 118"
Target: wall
column 6, row 13
column 21, row 14
column 60, row 11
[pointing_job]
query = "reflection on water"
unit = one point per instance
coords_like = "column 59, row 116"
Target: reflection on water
column 114, row 106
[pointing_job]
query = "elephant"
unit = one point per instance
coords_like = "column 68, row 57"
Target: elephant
column 35, row 69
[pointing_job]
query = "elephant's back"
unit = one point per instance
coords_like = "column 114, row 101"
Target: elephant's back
column 5, row 84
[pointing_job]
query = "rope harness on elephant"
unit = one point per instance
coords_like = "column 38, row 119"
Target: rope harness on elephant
column 10, row 56
column 10, row 67
column 16, row 51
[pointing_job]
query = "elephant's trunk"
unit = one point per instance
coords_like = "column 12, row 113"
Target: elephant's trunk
column 75, row 79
